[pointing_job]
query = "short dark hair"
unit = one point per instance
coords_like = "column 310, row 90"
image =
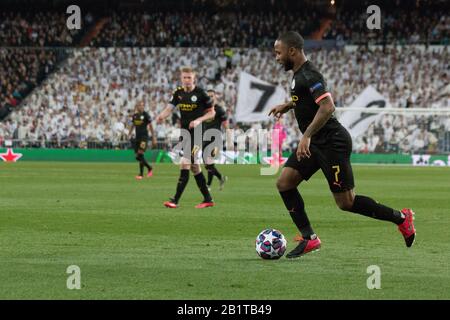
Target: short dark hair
column 292, row 39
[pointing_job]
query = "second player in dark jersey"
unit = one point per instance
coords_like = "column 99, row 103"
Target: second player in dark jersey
column 219, row 121
column 141, row 122
column 325, row 145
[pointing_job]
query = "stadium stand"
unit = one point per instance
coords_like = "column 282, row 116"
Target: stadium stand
column 20, row 72
column 223, row 29
column 403, row 22
column 42, row 29
column 105, row 84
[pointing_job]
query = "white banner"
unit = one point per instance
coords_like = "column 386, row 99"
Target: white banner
column 357, row 122
column 256, row 98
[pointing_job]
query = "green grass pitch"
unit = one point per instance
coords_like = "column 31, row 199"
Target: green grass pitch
column 128, row 246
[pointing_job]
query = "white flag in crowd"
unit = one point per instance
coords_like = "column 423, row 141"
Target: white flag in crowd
column 256, row 98
column 357, row 122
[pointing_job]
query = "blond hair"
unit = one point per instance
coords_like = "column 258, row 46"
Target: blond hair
column 187, row 69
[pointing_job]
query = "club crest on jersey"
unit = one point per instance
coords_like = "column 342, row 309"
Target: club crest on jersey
column 194, row 98
column 142, row 117
column 293, row 84
column 316, row 86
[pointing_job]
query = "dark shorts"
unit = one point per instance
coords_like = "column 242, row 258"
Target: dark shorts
column 140, row 145
column 210, row 153
column 333, row 158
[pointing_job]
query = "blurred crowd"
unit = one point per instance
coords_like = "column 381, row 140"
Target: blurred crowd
column 401, row 22
column 201, row 29
column 38, row 29
column 20, row 71
column 231, row 25
column 89, row 99
column 407, row 76
column 405, row 133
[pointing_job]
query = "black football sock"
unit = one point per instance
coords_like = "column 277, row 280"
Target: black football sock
column 182, row 182
column 210, row 174
column 149, row 167
column 140, row 157
column 141, row 168
column 296, row 207
column 216, row 172
column 201, row 183
column 370, row 208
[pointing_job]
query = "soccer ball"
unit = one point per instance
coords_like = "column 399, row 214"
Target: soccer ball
column 270, row 244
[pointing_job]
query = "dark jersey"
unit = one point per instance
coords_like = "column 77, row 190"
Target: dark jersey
column 192, row 105
column 308, row 87
column 141, row 121
column 216, row 123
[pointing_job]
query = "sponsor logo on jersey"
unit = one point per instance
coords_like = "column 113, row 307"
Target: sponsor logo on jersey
column 187, row 106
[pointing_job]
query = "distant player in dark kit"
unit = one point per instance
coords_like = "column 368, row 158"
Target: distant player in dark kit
column 325, row 145
column 142, row 121
column 219, row 121
column 195, row 107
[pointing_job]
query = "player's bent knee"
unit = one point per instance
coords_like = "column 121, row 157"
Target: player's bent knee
column 283, row 185
column 288, row 180
column 345, row 204
column 195, row 168
column 344, row 200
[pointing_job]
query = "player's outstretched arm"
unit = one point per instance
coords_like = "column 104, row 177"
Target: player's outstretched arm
column 210, row 114
column 281, row 109
column 326, row 109
column 164, row 114
column 150, row 128
column 130, row 131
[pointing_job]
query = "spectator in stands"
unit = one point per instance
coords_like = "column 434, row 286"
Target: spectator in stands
column 36, row 29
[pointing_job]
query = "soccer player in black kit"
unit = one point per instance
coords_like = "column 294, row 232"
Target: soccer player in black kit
column 141, row 121
column 195, row 107
column 325, row 145
column 219, row 121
